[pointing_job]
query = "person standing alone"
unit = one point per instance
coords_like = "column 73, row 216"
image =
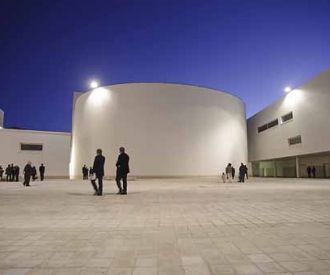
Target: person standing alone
column 27, row 174
column 122, row 171
column 98, row 170
column 42, row 171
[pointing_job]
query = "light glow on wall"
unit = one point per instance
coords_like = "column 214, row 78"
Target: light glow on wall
column 99, row 96
column 293, row 98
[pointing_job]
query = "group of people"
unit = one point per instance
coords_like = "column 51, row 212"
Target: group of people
column 31, row 172
column 11, row 172
column 311, row 171
column 96, row 173
column 229, row 174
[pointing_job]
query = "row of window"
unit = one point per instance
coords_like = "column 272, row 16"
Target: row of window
column 275, row 122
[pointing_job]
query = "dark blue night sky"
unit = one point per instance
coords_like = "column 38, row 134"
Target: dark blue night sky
column 252, row 48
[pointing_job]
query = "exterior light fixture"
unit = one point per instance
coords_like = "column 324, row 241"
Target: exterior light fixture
column 287, row 89
column 94, row 84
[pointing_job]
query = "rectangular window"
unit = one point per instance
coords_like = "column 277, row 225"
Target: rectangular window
column 294, row 140
column 272, row 123
column 262, row 128
column 31, row 147
column 287, row 117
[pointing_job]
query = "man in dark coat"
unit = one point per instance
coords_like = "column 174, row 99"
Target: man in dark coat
column 8, row 173
column 16, row 172
column 12, row 172
column 122, row 171
column 27, row 174
column 42, row 171
column 98, row 170
column 242, row 172
column 314, row 171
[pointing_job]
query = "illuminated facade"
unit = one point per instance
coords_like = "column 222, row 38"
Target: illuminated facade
column 293, row 133
column 168, row 129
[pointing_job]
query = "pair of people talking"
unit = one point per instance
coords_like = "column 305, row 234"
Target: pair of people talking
column 122, row 165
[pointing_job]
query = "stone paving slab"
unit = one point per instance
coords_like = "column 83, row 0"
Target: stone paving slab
column 166, row 227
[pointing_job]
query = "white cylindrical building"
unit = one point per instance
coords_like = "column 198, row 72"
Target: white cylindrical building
column 167, row 129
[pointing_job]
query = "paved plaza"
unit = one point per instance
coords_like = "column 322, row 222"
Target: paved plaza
column 166, row 227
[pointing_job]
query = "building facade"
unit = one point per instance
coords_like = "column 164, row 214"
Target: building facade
column 293, row 134
column 167, row 129
column 50, row 148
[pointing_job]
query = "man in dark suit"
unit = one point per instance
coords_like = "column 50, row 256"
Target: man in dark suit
column 98, row 169
column 27, row 174
column 122, row 171
column 42, row 171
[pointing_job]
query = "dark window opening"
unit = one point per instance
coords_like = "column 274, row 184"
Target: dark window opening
column 262, row 128
column 31, row 147
column 287, row 117
column 294, row 140
column 272, row 123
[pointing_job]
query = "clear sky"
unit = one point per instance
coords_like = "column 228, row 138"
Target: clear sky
column 251, row 48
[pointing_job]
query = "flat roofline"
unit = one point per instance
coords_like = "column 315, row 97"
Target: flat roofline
column 36, row 131
column 294, row 88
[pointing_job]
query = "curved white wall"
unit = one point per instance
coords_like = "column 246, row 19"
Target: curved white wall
column 167, row 129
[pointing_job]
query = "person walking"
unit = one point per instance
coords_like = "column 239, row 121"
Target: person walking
column 122, row 165
column 98, row 170
column 42, row 169
column 242, row 173
column 233, row 172
column 314, row 171
column 28, row 171
column 229, row 172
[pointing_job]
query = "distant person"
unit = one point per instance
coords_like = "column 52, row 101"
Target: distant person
column 12, row 172
column 16, row 169
column 90, row 173
column 314, row 171
column 34, row 173
column 28, row 171
column 233, row 172
column 8, row 173
column 242, row 172
column 223, row 177
column 122, row 165
column 309, row 171
column 98, row 170
column 1, row 172
column 85, row 172
column 229, row 171
column 246, row 172
column 42, row 169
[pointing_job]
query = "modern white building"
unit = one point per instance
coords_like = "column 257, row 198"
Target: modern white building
column 174, row 130
column 293, row 133
column 50, row 148
column 167, row 129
